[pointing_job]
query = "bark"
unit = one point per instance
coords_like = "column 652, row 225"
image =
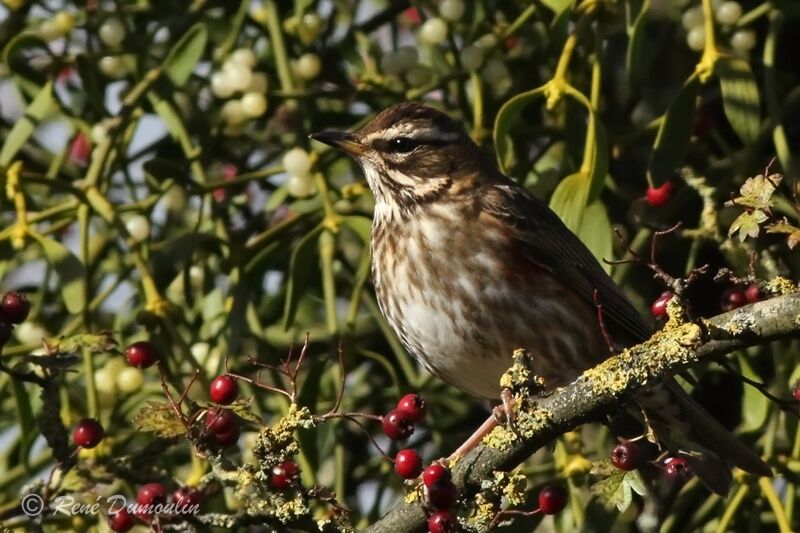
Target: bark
column 597, row 390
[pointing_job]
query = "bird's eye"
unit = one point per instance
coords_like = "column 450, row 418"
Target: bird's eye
column 401, row 145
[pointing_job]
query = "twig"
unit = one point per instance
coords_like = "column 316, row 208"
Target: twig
column 602, row 322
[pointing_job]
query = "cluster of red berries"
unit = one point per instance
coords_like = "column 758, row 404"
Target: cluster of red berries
column 398, row 424
column 13, row 310
column 442, row 496
column 736, row 297
column 221, row 423
column 628, row 456
column 149, row 496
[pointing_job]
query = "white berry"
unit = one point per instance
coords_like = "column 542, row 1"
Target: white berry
column 743, row 40
column 239, row 76
column 487, row 41
column 309, row 66
column 64, row 21
column 105, row 383
column 112, row 32
column 452, row 10
column 220, row 85
column 243, row 56
column 433, row 31
column 254, row 104
column 112, row 66
column 300, row 186
column 99, row 133
column 472, row 57
column 495, row 70
column 729, row 12
column 130, row 379
column 309, row 28
column 297, row 162
column 419, row 76
column 696, row 38
column 692, row 18
column 233, row 113
column 49, row 31
column 138, row 227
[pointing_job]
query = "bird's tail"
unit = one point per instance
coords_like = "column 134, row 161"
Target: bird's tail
column 685, row 428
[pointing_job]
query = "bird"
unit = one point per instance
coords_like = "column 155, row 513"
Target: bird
column 469, row 266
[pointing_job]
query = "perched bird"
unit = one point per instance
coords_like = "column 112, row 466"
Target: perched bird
column 468, row 266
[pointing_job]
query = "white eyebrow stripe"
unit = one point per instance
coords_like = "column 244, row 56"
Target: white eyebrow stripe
column 408, row 130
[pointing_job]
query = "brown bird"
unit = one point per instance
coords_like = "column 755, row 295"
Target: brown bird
column 468, row 266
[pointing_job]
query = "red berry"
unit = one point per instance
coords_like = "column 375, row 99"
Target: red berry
column 141, row 354
column 5, row 332
column 796, row 392
column 397, row 425
column 442, row 522
column 412, row 16
column 186, row 497
column 228, row 438
column 435, row 473
column 626, row 456
column 15, row 307
column 80, row 149
column 148, row 498
column 733, row 298
column 552, row 499
column 658, row 196
column 284, row 474
column 88, row 433
column 221, row 421
column 121, row 521
column 224, row 390
column 407, row 464
column 677, row 469
column 413, row 406
column 752, row 294
column 443, row 494
column 659, row 307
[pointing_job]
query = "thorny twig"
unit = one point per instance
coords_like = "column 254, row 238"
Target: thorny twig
column 508, row 513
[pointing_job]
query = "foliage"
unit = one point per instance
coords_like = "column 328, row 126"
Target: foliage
column 152, row 189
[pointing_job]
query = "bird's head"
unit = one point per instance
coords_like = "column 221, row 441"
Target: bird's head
column 411, row 154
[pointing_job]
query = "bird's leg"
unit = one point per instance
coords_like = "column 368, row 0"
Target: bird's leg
column 500, row 414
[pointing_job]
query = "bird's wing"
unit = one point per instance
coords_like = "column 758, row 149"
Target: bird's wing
column 546, row 241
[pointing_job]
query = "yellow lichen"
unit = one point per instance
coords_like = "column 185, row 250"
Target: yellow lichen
column 780, row 286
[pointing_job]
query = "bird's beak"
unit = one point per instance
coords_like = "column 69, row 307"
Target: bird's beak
column 345, row 142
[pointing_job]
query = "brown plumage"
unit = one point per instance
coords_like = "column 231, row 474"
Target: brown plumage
column 468, row 266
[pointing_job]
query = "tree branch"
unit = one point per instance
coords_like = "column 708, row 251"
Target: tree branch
column 667, row 352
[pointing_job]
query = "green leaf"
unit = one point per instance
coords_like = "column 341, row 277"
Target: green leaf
column 300, row 267
column 506, row 118
column 569, row 200
column 71, row 273
column 183, row 57
column 41, row 106
column 595, row 232
column 595, row 152
column 747, row 224
column 167, row 113
column 616, row 487
column 740, row 97
column 756, row 406
column 243, row 408
column 361, row 226
column 635, row 57
column 558, row 6
column 756, row 192
column 27, row 423
column 159, row 418
column 674, row 135
column 102, row 342
column 17, row 54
